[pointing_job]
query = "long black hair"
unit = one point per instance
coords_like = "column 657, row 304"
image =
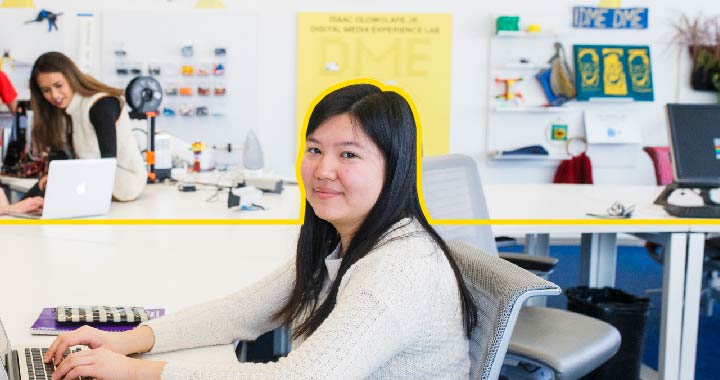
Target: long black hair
column 387, row 119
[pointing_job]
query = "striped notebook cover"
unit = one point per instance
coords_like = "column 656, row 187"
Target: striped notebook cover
column 47, row 324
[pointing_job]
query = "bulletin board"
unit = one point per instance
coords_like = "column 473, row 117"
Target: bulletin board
column 133, row 40
column 410, row 51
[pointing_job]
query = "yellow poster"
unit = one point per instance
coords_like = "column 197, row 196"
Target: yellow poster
column 406, row 50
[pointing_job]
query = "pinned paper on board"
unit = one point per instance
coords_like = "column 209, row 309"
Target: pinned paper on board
column 17, row 4
column 611, row 127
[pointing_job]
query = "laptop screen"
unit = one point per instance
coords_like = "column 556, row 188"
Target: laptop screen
column 695, row 143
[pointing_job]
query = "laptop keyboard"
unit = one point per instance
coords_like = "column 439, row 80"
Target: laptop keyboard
column 37, row 370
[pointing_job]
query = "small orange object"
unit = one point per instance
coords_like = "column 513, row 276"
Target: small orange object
column 186, row 91
column 507, row 94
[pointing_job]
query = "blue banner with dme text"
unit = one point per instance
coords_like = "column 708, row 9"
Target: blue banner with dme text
column 610, row 18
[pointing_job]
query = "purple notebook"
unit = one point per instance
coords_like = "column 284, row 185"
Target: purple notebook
column 47, row 324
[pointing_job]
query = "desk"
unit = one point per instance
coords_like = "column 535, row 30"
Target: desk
column 165, row 201
column 153, row 266
column 678, row 328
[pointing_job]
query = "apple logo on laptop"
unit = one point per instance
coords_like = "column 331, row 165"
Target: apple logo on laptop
column 81, row 189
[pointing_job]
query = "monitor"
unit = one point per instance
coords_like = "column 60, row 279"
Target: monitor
column 695, row 144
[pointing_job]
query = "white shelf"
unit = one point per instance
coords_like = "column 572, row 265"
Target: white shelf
column 529, row 157
column 522, row 66
column 524, row 34
column 530, row 109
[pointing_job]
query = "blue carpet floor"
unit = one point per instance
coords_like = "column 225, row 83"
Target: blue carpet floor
column 636, row 273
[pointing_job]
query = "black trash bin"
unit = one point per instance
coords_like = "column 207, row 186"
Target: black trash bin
column 627, row 313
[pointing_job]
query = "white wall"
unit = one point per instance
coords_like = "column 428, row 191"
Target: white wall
column 472, row 28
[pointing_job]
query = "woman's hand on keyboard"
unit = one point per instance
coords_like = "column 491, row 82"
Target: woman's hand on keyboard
column 87, row 336
column 101, row 363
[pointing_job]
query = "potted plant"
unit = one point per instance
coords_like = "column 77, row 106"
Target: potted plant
column 701, row 34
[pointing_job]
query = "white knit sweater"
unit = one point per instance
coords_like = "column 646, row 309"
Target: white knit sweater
column 397, row 317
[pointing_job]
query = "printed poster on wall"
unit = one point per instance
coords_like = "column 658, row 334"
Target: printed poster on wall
column 409, row 51
column 613, row 72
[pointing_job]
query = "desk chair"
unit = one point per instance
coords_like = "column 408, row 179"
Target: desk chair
column 660, row 156
column 499, row 289
column 546, row 343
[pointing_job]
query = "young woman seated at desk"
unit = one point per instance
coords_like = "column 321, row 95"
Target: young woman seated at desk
column 371, row 294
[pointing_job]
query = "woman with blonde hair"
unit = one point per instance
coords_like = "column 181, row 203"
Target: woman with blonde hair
column 83, row 118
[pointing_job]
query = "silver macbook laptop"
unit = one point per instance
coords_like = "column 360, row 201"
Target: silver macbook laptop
column 24, row 363
column 77, row 188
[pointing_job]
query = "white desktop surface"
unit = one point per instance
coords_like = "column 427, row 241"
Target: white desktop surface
column 152, row 266
column 567, row 201
column 165, row 201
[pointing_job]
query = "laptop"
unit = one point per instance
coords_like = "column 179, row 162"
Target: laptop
column 24, row 363
column 77, row 188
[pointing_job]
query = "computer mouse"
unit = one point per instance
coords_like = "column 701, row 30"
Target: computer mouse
column 686, row 197
column 714, row 195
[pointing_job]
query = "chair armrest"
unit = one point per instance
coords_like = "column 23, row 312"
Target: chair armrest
column 532, row 263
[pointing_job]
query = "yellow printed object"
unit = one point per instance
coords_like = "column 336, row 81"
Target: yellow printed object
column 609, row 3
column 17, row 4
column 211, row 4
column 614, row 75
column 409, row 51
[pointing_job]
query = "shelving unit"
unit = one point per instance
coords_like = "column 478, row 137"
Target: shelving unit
column 526, row 120
column 517, row 123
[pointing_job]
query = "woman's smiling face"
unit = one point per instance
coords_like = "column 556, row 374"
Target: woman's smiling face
column 343, row 172
column 55, row 88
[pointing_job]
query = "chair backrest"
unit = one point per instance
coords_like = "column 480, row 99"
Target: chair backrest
column 452, row 190
column 660, row 156
column 499, row 289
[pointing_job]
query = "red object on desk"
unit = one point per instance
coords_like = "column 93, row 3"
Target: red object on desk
column 575, row 170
